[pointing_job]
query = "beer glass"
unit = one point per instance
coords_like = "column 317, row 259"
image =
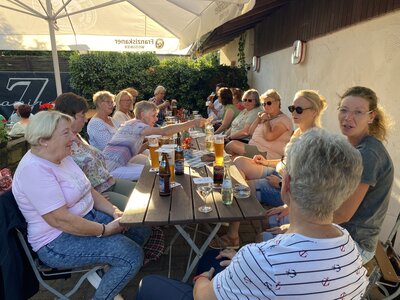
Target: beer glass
column 153, row 146
column 219, row 149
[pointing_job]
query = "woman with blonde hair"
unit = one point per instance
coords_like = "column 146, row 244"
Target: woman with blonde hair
column 123, row 107
column 263, row 175
column 101, row 126
column 269, row 132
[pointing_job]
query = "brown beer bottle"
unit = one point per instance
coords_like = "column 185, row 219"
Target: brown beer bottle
column 164, row 176
column 179, row 159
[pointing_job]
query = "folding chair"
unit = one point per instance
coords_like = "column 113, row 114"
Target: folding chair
column 384, row 268
column 43, row 272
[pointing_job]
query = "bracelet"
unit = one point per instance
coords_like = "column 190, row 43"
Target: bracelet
column 102, row 233
column 199, row 276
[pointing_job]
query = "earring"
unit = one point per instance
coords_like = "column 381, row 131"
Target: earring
column 45, row 145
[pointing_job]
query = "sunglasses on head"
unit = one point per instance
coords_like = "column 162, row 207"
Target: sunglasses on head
column 298, row 109
column 248, row 100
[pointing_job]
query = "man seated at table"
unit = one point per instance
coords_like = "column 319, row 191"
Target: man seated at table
column 314, row 259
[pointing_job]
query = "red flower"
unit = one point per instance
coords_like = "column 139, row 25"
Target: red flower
column 47, row 106
column 4, row 120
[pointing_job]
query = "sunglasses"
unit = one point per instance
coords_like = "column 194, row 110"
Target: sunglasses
column 248, row 100
column 269, row 103
column 298, row 109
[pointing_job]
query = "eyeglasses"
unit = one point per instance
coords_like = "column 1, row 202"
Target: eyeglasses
column 109, row 102
column 356, row 113
column 127, row 100
column 298, row 109
column 248, row 100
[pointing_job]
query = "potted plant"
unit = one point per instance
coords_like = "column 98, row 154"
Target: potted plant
column 3, row 135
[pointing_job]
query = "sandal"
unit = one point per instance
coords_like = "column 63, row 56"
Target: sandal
column 225, row 242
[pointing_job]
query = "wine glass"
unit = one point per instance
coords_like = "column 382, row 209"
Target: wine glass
column 205, row 190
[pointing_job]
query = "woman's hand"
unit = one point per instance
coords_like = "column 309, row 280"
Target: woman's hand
column 260, row 160
column 226, row 253
column 278, row 230
column 200, row 122
column 114, row 227
column 274, row 181
column 280, row 211
column 117, row 213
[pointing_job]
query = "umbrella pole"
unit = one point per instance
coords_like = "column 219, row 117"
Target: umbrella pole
column 54, row 53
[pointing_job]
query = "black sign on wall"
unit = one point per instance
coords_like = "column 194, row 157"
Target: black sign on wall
column 33, row 88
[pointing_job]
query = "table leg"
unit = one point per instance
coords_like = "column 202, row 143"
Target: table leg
column 199, row 252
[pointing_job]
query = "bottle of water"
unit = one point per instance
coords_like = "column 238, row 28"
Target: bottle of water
column 227, row 188
column 209, row 131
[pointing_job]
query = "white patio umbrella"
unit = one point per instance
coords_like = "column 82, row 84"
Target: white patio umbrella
column 162, row 26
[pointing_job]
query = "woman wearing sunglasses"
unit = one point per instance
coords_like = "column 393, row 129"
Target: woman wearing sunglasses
column 269, row 132
column 264, row 175
column 230, row 110
column 240, row 125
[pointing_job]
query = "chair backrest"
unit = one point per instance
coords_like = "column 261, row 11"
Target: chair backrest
column 15, row 221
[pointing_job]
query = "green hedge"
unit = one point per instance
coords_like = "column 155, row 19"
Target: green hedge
column 190, row 82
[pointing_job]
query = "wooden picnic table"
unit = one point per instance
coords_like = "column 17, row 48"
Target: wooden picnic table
column 147, row 208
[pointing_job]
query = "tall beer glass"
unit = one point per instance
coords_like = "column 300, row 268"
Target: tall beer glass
column 219, row 149
column 153, row 146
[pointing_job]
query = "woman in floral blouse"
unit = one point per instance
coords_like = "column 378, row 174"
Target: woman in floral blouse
column 90, row 159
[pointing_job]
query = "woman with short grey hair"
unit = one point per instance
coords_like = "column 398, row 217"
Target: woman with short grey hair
column 314, row 259
column 70, row 224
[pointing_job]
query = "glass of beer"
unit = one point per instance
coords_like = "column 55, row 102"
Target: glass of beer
column 153, row 146
column 170, row 150
column 219, row 149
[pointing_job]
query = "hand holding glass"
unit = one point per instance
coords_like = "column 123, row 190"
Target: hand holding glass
column 205, row 190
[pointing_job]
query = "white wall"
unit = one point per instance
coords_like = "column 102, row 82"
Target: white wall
column 366, row 54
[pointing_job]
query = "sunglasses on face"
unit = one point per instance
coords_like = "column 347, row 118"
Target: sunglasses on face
column 248, row 100
column 269, row 103
column 298, row 109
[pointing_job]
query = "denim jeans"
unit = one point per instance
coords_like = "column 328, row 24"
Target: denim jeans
column 123, row 253
column 156, row 287
column 266, row 193
column 366, row 256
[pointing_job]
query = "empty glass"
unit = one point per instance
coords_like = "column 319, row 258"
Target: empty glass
column 205, row 190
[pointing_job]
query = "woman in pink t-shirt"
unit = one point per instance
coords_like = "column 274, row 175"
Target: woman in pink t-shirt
column 70, row 224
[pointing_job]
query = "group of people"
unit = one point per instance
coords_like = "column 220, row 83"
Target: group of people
column 18, row 119
column 76, row 191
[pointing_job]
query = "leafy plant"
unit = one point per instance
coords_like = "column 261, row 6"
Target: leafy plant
column 189, row 81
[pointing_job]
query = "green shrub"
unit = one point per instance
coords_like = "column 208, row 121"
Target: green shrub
column 186, row 80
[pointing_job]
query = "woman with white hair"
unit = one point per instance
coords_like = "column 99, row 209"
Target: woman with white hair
column 70, row 224
column 125, row 145
column 162, row 104
column 101, row 126
column 315, row 259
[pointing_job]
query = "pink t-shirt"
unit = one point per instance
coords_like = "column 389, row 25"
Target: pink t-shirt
column 275, row 148
column 40, row 186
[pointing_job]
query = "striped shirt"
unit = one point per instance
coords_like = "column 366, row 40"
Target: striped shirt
column 293, row 266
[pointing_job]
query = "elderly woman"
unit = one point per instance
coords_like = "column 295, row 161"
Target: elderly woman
column 241, row 124
column 264, row 175
column 128, row 140
column 90, row 159
column 67, row 217
column 315, row 258
column 24, row 111
column 270, row 132
column 101, row 126
column 123, row 107
column 230, row 110
column 162, row 104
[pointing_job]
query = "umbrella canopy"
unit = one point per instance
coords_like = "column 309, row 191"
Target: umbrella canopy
column 162, row 26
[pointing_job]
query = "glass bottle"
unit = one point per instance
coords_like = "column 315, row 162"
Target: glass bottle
column 174, row 108
column 164, row 176
column 179, row 159
column 209, row 131
column 227, row 188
